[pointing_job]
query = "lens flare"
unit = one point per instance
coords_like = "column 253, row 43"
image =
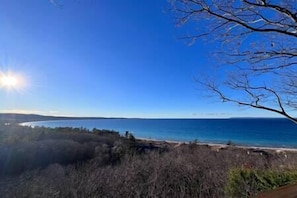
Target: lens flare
column 11, row 81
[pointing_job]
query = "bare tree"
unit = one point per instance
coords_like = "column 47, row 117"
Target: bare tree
column 258, row 41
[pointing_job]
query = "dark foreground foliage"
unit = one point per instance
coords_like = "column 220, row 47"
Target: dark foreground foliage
column 67, row 162
column 25, row 148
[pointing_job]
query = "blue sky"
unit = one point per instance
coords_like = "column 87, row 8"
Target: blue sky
column 111, row 58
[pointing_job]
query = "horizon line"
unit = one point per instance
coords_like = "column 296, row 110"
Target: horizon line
column 115, row 117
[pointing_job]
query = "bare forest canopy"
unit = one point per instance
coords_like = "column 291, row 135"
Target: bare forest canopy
column 75, row 162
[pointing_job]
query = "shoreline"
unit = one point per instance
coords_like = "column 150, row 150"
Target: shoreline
column 221, row 146
column 210, row 144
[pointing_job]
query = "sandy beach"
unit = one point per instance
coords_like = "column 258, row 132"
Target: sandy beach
column 220, row 146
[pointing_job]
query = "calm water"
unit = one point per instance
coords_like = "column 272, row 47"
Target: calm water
column 257, row 132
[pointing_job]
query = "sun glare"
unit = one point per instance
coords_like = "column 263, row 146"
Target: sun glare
column 10, row 81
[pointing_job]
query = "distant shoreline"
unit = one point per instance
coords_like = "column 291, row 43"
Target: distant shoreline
column 16, row 118
column 24, row 118
column 19, row 118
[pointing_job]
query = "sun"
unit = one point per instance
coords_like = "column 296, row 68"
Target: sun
column 10, row 81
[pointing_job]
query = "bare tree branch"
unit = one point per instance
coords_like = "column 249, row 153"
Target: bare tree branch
column 258, row 39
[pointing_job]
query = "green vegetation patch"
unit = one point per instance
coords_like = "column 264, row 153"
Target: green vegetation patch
column 248, row 182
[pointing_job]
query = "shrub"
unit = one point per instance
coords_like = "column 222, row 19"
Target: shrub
column 248, row 182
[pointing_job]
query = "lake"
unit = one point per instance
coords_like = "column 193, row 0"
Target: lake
column 270, row 132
